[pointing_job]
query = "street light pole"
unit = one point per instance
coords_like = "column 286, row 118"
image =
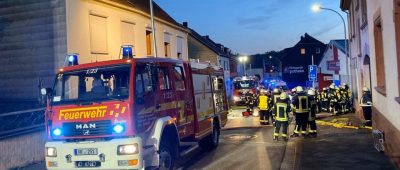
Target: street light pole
column 316, row 8
column 153, row 29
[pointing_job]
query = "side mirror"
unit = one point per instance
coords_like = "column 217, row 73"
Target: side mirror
column 46, row 91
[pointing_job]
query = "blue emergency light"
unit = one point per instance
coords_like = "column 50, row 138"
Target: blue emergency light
column 71, row 59
column 127, row 51
column 118, row 128
column 57, row 132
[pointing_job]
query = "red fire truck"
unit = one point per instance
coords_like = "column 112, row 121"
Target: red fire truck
column 244, row 86
column 132, row 113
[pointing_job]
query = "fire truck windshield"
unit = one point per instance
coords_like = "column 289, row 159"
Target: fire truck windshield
column 244, row 84
column 92, row 85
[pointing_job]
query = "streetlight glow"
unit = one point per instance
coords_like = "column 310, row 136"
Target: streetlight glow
column 316, row 7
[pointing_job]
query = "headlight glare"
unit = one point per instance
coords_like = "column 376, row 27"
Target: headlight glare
column 128, row 149
column 51, row 152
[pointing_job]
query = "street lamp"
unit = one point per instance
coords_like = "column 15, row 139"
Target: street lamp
column 317, row 8
column 243, row 59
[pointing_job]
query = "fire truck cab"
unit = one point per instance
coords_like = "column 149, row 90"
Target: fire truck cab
column 133, row 113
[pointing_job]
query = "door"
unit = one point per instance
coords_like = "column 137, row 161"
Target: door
column 144, row 101
column 165, row 96
column 184, row 101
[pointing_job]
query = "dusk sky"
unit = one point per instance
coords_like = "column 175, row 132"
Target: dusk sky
column 258, row 26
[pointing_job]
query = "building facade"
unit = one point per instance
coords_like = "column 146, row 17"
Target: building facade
column 334, row 62
column 36, row 35
column 295, row 60
column 383, row 26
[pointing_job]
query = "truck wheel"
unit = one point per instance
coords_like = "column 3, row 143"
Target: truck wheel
column 166, row 156
column 211, row 142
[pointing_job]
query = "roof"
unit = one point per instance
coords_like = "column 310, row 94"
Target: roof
column 340, row 44
column 207, row 41
column 203, row 40
column 144, row 6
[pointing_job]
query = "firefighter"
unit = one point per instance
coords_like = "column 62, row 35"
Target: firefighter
column 275, row 95
column 263, row 102
column 333, row 100
column 366, row 104
column 281, row 114
column 300, row 108
column 312, row 114
column 324, row 100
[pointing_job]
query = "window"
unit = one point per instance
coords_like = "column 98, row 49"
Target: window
column 149, row 42
column 127, row 33
column 163, row 79
column 98, row 34
column 179, row 78
column 179, row 47
column 380, row 66
column 303, row 51
column 317, row 50
column 397, row 33
column 167, row 45
column 363, row 12
column 144, row 81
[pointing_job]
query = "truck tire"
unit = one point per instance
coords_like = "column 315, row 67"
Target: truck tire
column 167, row 159
column 211, row 142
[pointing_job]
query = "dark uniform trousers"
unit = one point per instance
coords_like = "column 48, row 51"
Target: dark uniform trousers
column 264, row 116
column 284, row 125
column 301, row 123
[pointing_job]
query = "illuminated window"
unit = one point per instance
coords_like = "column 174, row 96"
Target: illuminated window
column 303, row 51
column 149, row 37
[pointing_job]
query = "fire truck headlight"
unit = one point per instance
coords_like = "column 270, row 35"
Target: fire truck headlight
column 236, row 98
column 128, row 149
column 119, row 128
column 57, row 132
column 51, row 152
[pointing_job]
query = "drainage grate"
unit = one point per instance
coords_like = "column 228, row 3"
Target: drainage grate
column 239, row 137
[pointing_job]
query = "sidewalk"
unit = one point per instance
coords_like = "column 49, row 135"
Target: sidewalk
column 340, row 147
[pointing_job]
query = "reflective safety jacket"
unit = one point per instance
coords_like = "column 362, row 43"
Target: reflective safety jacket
column 281, row 110
column 301, row 103
column 313, row 108
column 263, row 102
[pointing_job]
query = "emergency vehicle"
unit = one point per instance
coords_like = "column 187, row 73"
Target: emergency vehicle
column 242, row 86
column 132, row 113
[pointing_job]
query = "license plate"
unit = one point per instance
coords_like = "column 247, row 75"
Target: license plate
column 87, row 164
column 86, row 151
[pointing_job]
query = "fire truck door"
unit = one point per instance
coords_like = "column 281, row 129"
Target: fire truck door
column 184, row 104
column 165, row 96
column 144, row 85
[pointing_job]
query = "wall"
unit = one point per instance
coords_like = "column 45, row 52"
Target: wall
column 78, row 12
column 199, row 51
column 328, row 56
column 32, row 39
column 22, row 150
column 386, row 109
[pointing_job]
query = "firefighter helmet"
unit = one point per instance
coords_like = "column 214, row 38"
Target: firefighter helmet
column 311, row 92
column 294, row 90
column 332, row 86
column 299, row 89
column 276, row 90
column 365, row 89
column 283, row 96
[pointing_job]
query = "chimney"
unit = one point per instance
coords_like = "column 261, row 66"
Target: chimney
column 185, row 24
column 207, row 37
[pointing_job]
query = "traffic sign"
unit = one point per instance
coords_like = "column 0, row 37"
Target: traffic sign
column 312, row 72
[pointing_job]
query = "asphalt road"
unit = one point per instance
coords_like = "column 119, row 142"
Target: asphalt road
column 243, row 144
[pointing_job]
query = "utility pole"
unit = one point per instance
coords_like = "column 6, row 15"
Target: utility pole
column 153, row 29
